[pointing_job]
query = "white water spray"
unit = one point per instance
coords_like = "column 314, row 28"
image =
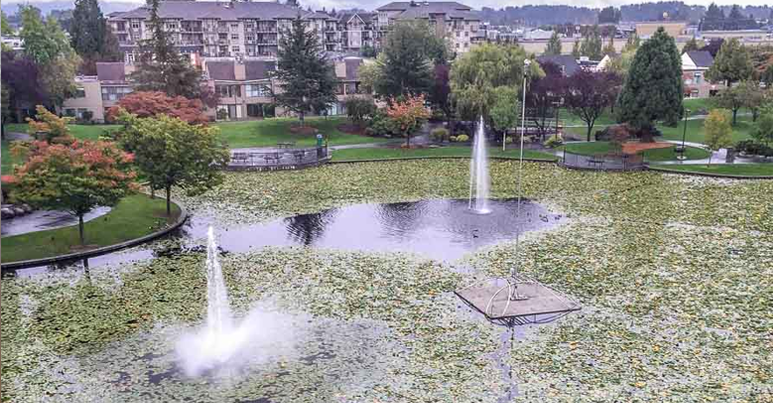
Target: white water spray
column 223, row 347
column 479, row 179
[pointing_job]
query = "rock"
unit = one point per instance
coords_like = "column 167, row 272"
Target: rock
column 7, row 213
column 18, row 210
column 27, row 208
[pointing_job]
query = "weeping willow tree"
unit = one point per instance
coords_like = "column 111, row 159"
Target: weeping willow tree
column 484, row 71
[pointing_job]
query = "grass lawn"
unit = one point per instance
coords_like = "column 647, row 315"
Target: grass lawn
column 133, row 217
column 726, row 169
column 266, row 133
column 7, row 159
column 660, row 154
column 741, row 131
column 359, row 154
column 84, row 132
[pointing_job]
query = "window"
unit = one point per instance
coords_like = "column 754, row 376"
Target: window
column 235, row 37
column 250, row 38
column 171, row 25
column 135, row 25
column 228, row 91
column 698, row 76
column 80, row 93
column 222, row 37
column 221, row 24
column 457, row 46
column 223, row 50
column 458, row 34
column 257, row 90
column 114, row 93
column 466, row 33
column 235, row 49
column 69, row 112
column 235, row 26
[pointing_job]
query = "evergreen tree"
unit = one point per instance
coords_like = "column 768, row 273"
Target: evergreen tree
column 691, row 45
column 554, row 45
column 735, row 13
column 306, row 78
column 591, row 45
column 91, row 37
column 609, row 15
column 714, row 12
column 410, row 49
column 5, row 26
column 161, row 67
column 732, row 64
column 632, row 44
column 576, row 49
column 610, row 48
column 653, row 89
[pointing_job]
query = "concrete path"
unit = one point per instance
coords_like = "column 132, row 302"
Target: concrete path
column 46, row 220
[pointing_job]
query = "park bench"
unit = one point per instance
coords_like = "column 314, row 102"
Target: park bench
column 239, row 158
column 272, row 158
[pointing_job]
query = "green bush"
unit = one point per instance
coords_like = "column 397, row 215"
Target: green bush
column 509, row 140
column 452, row 139
column 359, row 109
column 222, row 114
column 439, row 134
column 554, row 141
column 382, row 125
column 462, row 138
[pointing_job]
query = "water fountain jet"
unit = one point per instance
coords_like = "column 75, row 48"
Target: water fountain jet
column 479, row 178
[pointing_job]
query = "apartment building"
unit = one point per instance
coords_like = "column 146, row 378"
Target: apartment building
column 456, row 22
column 695, row 64
column 213, row 29
column 245, row 86
column 96, row 94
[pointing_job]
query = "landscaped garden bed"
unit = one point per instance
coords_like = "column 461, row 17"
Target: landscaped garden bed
column 672, row 272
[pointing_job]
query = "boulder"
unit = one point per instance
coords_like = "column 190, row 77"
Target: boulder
column 18, row 210
column 7, row 213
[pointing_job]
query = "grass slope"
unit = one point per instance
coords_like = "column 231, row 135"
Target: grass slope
column 266, row 133
column 359, row 154
column 661, row 154
column 133, row 217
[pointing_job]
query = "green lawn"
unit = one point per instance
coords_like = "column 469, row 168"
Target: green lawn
column 266, row 133
column 726, row 169
column 741, row 131
column 84, row 132
column 660, row 154
column 359, row 154
column 133, row 217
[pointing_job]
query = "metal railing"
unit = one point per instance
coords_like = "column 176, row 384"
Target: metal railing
column 604, row 162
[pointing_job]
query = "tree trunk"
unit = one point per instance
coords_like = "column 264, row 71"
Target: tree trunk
column 590, row 129
column 300, row 116
column 711, row 153
column 408, row 140
column 735, row 115
column 80, row 229
column 168, row 201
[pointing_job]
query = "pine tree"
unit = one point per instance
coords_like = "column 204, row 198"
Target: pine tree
column 654, row 89
column 610, row 48
column 91, row 37
column 732, row 64
column 409, row 51
column 307, row 79
column 691, row 45
column 576, row 49
column 591, row 45
column 161, row 67
column 554, row 45
column 632, row 44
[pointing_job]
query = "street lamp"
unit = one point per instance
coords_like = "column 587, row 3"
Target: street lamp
column 682, row 149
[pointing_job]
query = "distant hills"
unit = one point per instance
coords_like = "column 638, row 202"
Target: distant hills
column 47, row 6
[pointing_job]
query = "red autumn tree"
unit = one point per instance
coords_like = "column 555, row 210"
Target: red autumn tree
column 146, row 104
column 408, row 114
column 74, row 178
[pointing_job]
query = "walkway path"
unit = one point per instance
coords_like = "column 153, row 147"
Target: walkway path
column 45, row 220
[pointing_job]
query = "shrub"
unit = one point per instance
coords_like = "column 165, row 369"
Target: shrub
column 554, row 141
column 359, row 109
column 452, row 138
column 222, row 114
column 382, row 125
column 439, row 134
column 87, row 116
column 462, row 138
column 509, row 140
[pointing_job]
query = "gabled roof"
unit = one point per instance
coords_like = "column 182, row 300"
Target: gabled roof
column 111, row 71
column 221, row 70
column 228, row 11
column 568, row 62
column 701, row 58
column 258, row 69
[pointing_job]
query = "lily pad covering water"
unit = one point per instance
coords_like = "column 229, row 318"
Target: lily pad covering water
column 675, row 276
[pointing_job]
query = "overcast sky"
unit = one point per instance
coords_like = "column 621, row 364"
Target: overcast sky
column 477, row 4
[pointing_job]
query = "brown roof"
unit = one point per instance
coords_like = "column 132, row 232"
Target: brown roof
column 258, row 69
column 111, row 71
column 221, row 70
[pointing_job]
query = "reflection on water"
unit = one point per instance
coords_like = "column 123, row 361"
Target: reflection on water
column 438, row 229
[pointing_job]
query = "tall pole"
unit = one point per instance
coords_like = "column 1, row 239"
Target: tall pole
column 514, row 296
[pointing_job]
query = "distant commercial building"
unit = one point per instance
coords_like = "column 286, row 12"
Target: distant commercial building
column 673, row 28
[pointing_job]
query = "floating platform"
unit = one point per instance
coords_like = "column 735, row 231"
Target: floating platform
column 538, row 303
